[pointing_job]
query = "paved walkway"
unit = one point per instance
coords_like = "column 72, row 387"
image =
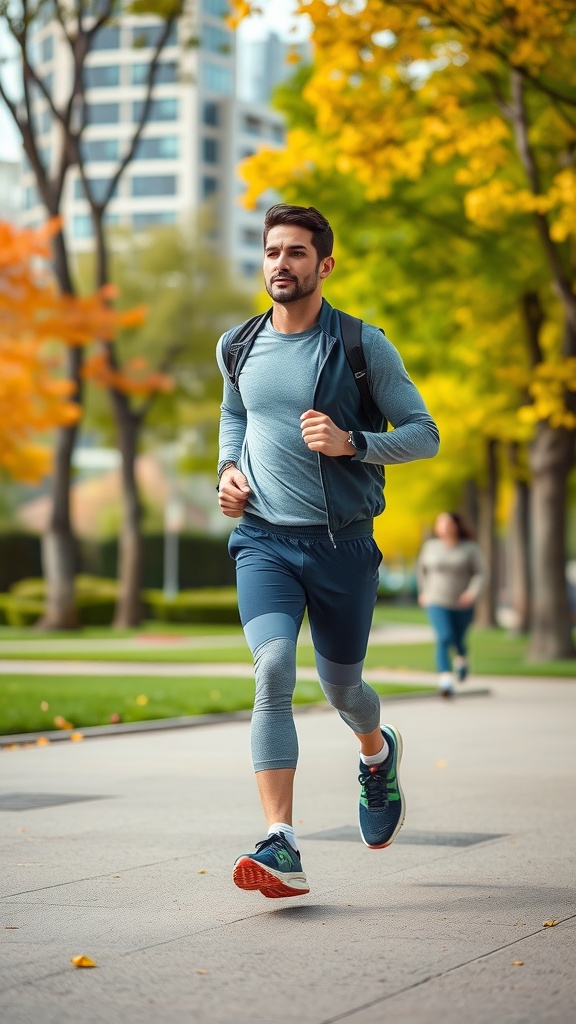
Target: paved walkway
column 121, row 848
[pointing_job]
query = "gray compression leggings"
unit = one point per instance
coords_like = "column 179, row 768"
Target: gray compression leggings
column 273, row 736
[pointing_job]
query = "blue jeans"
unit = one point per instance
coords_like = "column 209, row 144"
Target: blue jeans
column 450, row 626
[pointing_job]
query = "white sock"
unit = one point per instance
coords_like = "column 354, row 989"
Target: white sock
column 446, row 681
column 460, row 661
column 289, row 834
column 371, row 759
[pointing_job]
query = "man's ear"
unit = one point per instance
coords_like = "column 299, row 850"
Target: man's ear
column 326, row 266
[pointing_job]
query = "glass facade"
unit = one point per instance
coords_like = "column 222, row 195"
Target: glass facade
column 166, row 72
column 154, row 185
column 103, row 113
column 210, row 151
column 146, row 36
column 160, row 110
column 164, row 148
column 217, row 78
column 98, row 150
column 104, row 77
column 106, row 38
column 98, row 188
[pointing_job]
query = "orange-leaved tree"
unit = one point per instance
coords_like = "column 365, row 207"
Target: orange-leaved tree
column 35, row 317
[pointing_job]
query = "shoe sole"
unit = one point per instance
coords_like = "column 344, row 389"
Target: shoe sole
column 249, row 874
column 399, row 750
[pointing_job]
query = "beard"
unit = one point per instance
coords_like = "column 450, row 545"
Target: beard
column 293, row 291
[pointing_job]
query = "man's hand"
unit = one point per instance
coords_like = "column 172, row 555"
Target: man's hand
column 322, row 435
column 465, row 600
column 233, row 492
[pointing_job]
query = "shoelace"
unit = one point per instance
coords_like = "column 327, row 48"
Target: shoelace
column 375, row 786
column 273, row 841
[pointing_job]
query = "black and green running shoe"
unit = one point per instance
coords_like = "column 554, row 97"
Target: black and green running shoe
column 275, row 869
column 382, row 806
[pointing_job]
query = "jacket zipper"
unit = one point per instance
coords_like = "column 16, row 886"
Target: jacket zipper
column 320, row 368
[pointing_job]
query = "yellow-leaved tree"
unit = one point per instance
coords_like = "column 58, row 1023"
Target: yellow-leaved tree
column 483, row 93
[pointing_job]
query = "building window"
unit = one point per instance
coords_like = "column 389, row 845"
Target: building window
column 246, row 152
column 146, row 36
column 82, row 225
column 160, row 110
column 217, row 78
column 154, row 185
column 166, row 73
column 104, row 77
column 211, row 113
column 103, row 113
column 219, row 8
column 210, row 151
column 107, row 38
column 216, row 40
column 253, row 125
column 209, row 186
column 164, row 148
column 277, row 132
column 98, row 188
column 100, row 150
column 250, row 269
column 251, row 237
column 47, row 48
column 31, row 197
column 148, row 220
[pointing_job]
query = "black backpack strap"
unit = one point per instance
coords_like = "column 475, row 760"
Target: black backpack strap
column 351, row 331
column 239, row 343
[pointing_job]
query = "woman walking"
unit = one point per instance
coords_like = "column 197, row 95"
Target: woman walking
column 450, row 573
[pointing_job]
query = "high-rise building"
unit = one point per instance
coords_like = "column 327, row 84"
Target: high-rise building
column 196, row 133
column 10, row 191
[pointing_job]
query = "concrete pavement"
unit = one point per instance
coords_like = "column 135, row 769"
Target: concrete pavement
column 121, row 848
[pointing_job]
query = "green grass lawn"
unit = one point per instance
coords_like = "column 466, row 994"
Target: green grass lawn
column 33, row 703
column 94, row 700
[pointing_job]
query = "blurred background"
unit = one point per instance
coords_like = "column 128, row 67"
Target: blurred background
column 141, row 144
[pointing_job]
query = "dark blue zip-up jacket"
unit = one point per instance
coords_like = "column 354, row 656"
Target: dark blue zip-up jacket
column 353, row 487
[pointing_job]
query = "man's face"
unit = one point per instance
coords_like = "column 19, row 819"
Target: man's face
column 292, row 269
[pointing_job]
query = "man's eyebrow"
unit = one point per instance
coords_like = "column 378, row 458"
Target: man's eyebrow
column 300, row 247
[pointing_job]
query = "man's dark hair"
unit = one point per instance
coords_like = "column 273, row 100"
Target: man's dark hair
column 303, row 217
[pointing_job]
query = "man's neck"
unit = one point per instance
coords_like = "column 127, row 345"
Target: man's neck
column 296, row 317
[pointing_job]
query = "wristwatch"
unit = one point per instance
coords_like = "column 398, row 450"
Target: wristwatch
column 357, row 440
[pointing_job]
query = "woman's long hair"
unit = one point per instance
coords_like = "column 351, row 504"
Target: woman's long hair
column 465, row 532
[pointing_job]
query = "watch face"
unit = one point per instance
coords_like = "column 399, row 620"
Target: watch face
column 358, row 440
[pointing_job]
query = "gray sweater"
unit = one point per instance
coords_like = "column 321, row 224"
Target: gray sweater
column 445, row 571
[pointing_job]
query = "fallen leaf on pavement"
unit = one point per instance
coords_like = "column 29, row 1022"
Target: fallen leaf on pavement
column 83, row 961
column 201, row 972
column 517, row 963
column 549, row 924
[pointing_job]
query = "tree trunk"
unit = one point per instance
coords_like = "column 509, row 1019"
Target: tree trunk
column 59, row 555
column 129, row 610
column 487, row 603
column 520, row 589
column 551, row 459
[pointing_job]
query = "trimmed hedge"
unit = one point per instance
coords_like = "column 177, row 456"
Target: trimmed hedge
column 96, row 600
column 208, row 605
